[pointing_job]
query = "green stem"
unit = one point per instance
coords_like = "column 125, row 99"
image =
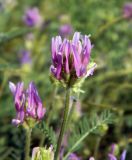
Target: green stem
column 64, row 123
column 27, row 145
column 97, row 147
column 71, row 111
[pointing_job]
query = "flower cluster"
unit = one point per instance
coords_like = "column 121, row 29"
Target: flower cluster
column 71, row 58
column 128, row 10
column 25, row 57
column 65, row 30
column 28, row 105
column 32, row 17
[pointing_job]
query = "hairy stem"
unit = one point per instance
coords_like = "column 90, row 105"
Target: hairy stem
column 27, row 145
column 64, row 123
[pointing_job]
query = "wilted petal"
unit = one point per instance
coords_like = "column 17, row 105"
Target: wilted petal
column 12, row 87
column 34, row 153
column 16, row 122
column 91, row 70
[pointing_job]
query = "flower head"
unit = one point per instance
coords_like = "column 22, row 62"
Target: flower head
column 32, row 17
column 29, row 107
column 25, row 57
column 71, row 58
column 65, row 30
column 127, row 10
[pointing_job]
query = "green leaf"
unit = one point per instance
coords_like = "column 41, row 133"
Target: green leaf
column 85, row 127
column 49, row 133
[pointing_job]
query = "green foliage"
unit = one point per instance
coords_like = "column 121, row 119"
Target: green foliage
column 48, row 133
column 85, row 127
column 109, row 88
column 5, row 37
column 13, row 143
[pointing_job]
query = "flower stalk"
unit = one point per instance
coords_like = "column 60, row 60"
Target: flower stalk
column 27, row 145
column 64, row 123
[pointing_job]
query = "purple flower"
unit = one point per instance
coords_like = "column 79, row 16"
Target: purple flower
column 111, row 155
column 25, row 57
column 128, row 10
column 32, row 17
column 27, row 103
column 65, row 30
column 71, row 58
column 73, row 156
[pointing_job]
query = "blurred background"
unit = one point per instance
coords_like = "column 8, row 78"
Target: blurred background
column 25, row 56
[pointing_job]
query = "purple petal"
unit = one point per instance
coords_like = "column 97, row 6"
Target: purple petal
column 123, row 155
column 16, row 122
column 32, row 17
column 19, row 95
column 53, row 70
column 21, row 115
column 77, row 62
column 128, row 10
column 79, row 48
column 86, row 51
column 111, row 157
column 40, row 111
column 12, row 87
column 83, row 70
column 73, row 156
column 25, row 57
column 113, row 148
column 58, row 72
column 53, row 48
column 58, row 43
column 67, row 54
column 31, row 108
column 76, row 38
